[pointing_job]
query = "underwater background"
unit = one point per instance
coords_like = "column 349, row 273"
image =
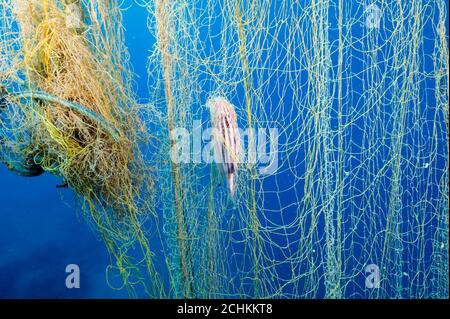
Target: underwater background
column 362, row 176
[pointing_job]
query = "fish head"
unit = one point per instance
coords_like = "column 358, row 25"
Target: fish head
column 216, row 105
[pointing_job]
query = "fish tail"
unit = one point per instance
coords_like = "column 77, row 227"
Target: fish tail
column 230, row 184
column 231, row 190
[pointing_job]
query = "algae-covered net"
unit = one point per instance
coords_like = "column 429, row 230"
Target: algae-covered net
column 356, row 204
column 68, row 108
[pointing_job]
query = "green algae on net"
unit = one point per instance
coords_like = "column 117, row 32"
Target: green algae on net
column 68, row 108
column 358, row 93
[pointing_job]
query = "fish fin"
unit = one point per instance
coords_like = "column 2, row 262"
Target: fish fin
column 232, row 202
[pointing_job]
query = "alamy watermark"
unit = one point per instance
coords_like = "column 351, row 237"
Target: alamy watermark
column 73, row 279
column 373, row 16
column 198, row 146
column 373, row 279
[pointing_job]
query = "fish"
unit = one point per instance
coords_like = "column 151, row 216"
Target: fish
column 226, row 139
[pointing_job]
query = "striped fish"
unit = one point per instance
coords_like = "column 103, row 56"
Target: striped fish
column 226, row 139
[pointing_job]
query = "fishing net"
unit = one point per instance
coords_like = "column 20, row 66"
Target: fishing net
column 358, row 91
column 343, row 189
column 69, row 109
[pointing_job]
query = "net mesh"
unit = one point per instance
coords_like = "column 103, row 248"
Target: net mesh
column 358, row 92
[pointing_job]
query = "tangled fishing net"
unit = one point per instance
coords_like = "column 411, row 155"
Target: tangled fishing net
column 357, row 91
column 69, row 109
